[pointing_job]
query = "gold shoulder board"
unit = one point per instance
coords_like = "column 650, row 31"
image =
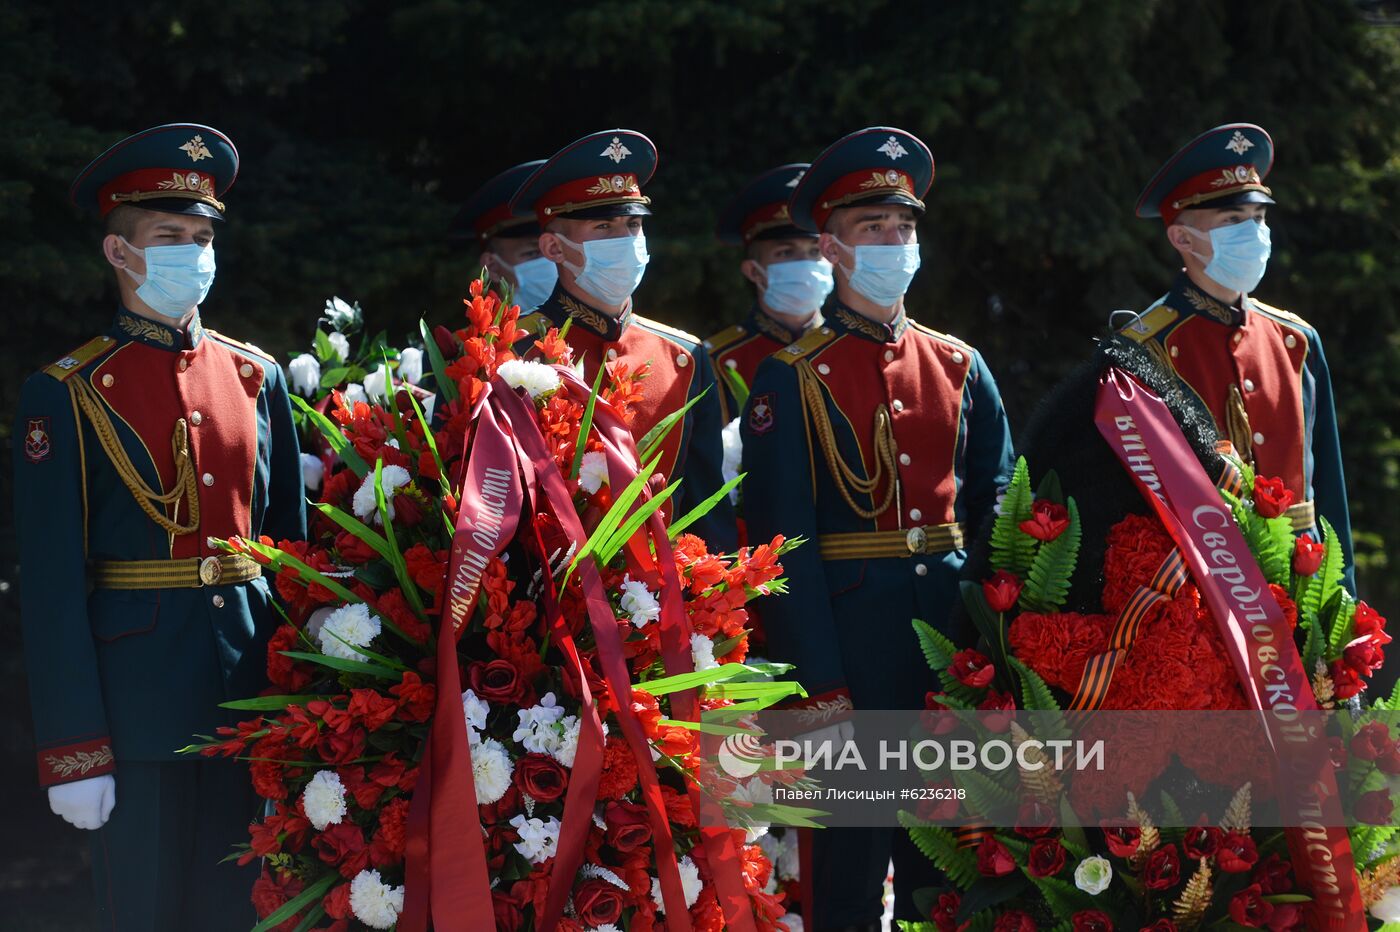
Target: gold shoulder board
column 722, row 340
column 1286, row 316
column 945, row 337
column 62, row 369
column 1153, row 322
column 808, row 343
column 245, row 347
column 668, row 330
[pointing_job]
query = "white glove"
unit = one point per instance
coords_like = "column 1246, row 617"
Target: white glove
column 85, row 803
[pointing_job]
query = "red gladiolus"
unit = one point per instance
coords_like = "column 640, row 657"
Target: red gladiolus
column 1047, row 857
column 1163, row 869
column 1047, row 522
column 1091, row 920
column 1307, row 556
column 1237, row 853
column 1374, row 808
column 972, row 669
column 993, row 860
column 1271, row 498
column 1249, row 908
column 1002, row 590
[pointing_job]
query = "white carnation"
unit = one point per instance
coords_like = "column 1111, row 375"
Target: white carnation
column 535, row 377
column 593, row 472
column 538, row 839
column 702, row 651
column 377, row 384
column 1093, row 875
column 324, row 800
column 1387, row 908
column 355, row 392
column 374, row 902
column 793, row 921
column 312, row 471
column 411, row 365
column 539, row 730
column 304, row 372
column 733, row 455
column 638, row 602
column 490, row 771
column 690, row 883
column 475, row 710
column 571, row 727
column 341, row 344
column 346, row 626
column 392, row 478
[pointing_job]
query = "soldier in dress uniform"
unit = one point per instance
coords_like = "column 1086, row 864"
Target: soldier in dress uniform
column 133, row 453
column 588, row 201
column 881, row 441
column 1258, row 369
column 510, row 245
column 788, row 274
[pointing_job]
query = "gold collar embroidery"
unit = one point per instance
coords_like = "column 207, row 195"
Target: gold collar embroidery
column 143, row 329
column 1205, row 304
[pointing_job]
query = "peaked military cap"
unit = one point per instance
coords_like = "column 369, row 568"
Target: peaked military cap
column 487, row 212
column 178, row 168
column 877, row 165
column 600, row 175
column 760, row 209
column 1221, row 167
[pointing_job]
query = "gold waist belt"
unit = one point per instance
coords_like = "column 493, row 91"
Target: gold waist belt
column 872, row 545
column 1303, row 515
column 190, row 573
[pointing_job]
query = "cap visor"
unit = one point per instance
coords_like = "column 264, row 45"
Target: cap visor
column 607, row 210
column 179, row 205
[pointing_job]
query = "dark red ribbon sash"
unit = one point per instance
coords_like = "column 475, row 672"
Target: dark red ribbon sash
column 1145, row 437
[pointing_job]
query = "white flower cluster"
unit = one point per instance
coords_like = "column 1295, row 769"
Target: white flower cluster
column 702, row 651
column 491, row 769
column 638, row 602
column 324, row 800
column 539, row 731
column 475, row 711
column 346, row 626
column 733, row 455
column 366, row 506
column 538, row 839
column 690, row 883
column 593, row 472
column 535, row 377
column 343, row 316
column 374, row 902
column 304, row 372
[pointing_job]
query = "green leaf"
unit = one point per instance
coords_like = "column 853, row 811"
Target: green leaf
column 334, row 436
column 334, row 377
column 938, row 652
column 939, row 845
column 311, row 919
column 1012, row 548
column 614, row 516
column 988, row 892
column 1063, row 897
column 343, row 665
column 355, row 526
column 293, row 906
column 634, row 521
column 322, row 344
column 990, row 625
column 697, row 678
column 1035, row 692
column 1343, row 623
column 988, row 797
column 1050, row 488
column 268, row 703
column 587, row 424
column 702, row 509
column 1047, row 584
column 394, row 554
column 737, row 386
column 651, row 443
column 445, row 386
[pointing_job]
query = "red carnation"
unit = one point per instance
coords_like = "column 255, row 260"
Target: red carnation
column 541, row 778
column 1249, row 908
column 597, row 902
column 1271, row 498
column 370, row 708
column 619, row 770
column 1002, row 590
column 1047, row 522
column 972, row 669
column 1372, row 741
column 993, row 860
column 1163, row 869
column 415, row 697
column 1047, row 857
column 1014, row 921
column 1374, row 808
column 1307, row 555
column 1237, row 853
column 1091, row 920
column 337, row 902
column 1123, row 840
column 1202, row 841
column 282, row 671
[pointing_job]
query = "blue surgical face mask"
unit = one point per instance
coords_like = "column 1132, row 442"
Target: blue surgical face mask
column 177, row 277
column 1239, row 254
column 798, row 287
column 883, row 273
column 612, row 268
column 534, row 282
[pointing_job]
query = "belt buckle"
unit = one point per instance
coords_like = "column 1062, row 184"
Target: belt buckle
column 210, row 571
column 916, row 540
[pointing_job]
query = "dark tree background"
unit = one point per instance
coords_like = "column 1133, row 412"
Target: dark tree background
column 362, row 125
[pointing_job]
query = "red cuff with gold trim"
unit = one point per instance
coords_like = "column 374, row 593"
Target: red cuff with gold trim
column 72, row 762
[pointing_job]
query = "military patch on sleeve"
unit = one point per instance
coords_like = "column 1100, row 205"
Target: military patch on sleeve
column 761, row 413
column 37, row 447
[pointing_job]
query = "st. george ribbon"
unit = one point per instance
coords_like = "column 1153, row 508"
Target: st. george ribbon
column 1145, row 437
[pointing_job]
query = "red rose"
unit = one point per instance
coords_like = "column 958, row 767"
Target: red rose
column 496, row 681
column 1091, row 920
column 1035, row 819
column 627, row 825
column 1273, row 875
column 1048, row 520
column 972, row 669
column 945, row 912
column 343, row 846
column 597, row 902
column 1237, row 853
column 1346, row 682
column 1372, row 741
column 1163, row 869
column 1307, row 556
column 1001, row 591
column 1123, row 840
column 1389, row 762
column 540, row 777
column 1047, row 857
column 1374, row 808
column 1014, row 921
column 1202, row 841
column 1161, row 925
column 1249, row 908
column 993, row 860
column 1271, row 498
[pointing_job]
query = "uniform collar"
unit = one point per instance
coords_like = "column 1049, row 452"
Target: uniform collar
column 766, row 324
column 1187, row 298
column 135, row 328
column 842, row 319
column 561, row 306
